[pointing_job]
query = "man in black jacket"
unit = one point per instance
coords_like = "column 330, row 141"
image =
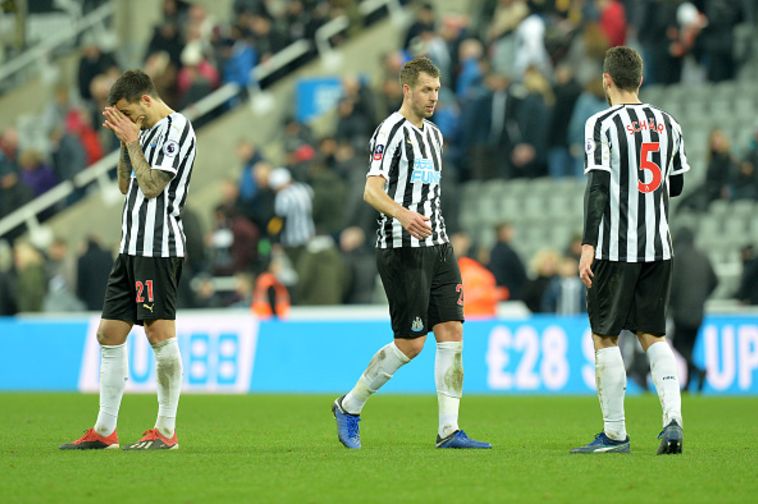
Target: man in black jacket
column 692, row 282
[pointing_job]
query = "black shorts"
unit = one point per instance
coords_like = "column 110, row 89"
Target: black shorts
column 142, row 288
column 423, row 286
column 630, row 296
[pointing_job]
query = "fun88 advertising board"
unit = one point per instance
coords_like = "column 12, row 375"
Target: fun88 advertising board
column 217, row 355
column 232, row 352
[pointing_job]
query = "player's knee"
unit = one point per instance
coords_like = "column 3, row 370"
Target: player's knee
column 410, row 347
column 106, row 338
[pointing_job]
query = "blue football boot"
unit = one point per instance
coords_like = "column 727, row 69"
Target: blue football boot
column 459, row 439
column 604, row 444
column 672, row 439
column 348, row 430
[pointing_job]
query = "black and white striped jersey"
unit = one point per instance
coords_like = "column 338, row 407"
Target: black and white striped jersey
column 295, row 204
column 153, row 227
column 410, row 160
column 641, row 146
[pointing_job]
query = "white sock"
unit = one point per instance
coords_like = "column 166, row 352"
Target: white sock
column 448, row 378
column 610, row 377
column 113, row 376
column 169, row 377
column 381, row 368
column 663, row 369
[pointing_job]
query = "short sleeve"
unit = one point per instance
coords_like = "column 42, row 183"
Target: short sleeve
column 174, row 144
column 382, row 148
column 597, row 152
column 679, row 163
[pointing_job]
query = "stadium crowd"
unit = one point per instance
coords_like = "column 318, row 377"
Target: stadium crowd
column 519, row 80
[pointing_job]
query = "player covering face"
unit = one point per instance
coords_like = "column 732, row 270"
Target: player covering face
column 157, row 155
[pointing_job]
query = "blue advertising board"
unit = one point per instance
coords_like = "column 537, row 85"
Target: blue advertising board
column 235, row 353
column 316, row 95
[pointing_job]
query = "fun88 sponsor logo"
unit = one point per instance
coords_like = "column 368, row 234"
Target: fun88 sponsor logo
column 424, row 172
column 217, row 355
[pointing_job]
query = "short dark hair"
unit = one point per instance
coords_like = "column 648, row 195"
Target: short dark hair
column 624, row 65
column 131, row 86
column 411, row 70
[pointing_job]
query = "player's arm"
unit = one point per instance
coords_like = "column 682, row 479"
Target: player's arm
column 150, row 181
column 124, row 169
column 676, row 185
column 596, row 198
column 415, row 223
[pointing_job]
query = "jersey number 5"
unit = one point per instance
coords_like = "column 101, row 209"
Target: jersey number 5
column 647, row 164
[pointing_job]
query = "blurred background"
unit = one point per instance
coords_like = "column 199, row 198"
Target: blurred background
column 300, row 85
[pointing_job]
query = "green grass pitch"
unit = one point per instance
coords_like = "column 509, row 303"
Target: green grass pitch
column 283, row 448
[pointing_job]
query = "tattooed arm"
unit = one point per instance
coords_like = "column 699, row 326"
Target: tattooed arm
column 152, row 182
column 124, row 169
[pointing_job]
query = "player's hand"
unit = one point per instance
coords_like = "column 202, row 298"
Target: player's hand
column 585, row 265
column 416, row 224
column 123, row 127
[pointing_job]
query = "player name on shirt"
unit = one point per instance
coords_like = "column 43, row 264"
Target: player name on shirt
column 641, row 146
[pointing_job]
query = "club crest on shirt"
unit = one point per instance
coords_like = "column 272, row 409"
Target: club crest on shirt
column 170, row 148
column 378, row 152
column 589, row 145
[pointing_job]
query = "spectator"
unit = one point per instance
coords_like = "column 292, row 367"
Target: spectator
column 61, row 291
column 506, row 264
column 329, row 194
column 294, row 205
column 196, row 253
column 322, row 277
column 747, row 293
column 744, row 183
column 360, row 266
column 658, row 32
column 31, row 281
column 197, row 77
column 80, row 124
column 7, row 282
column 479, row 286
column 248, row 156
column 530, row 43
column 94, row 62
column 722, row 16
column 425, row 21
column 68, row 155
column 565, row 294
column 528, row 156
column 590, row 102
column 92, row 270
column 490, row 131
column 233, row 239
column 351, row 126
column 168, row 39
column 470, row 82
column 13, row 194
column 566, row 91
column 260, row 209
column 544, row 266
column 612, row 21
column 36, row 175
column 693, row 281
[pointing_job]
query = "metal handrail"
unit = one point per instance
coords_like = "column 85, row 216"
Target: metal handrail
column 41, row 50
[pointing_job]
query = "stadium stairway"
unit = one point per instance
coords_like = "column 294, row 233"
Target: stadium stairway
column 259, row 120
